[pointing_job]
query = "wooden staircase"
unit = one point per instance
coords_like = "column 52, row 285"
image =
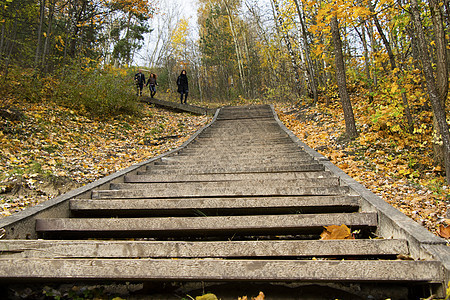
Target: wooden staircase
column 242, row 203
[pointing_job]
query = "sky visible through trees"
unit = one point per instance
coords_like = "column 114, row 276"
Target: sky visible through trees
column 187, row 10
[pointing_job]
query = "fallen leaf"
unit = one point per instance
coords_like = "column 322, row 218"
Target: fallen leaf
column 260, row 296
column 336, row 232
column 207, row 297
column 444, row 231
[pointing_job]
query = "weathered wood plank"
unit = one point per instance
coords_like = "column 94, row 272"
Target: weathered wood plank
column 304, row 204
column 224, row 177
column 189, row 226
column 254, row 183
column 180, row 249
column 188, row 191
column 220, row 269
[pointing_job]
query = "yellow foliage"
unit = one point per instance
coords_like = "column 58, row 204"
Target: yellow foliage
column 385, row 157
column 137, row 7
column 179, row 38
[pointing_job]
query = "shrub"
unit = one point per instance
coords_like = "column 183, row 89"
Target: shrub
column 24, row 84
column 101, row 93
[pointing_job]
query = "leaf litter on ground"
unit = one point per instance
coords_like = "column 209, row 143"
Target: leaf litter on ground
column 388, row 165
column 50, row 149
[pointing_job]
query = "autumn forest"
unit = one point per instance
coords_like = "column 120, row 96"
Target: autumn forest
column 363, row 82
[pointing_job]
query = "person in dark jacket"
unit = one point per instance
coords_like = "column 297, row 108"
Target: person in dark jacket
column 139, row 80
column 183, row 88
column 151, row 82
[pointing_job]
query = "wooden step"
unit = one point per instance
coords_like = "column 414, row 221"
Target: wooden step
column 255, row 183
column 243, row 157
column 142, row 177
column 214, row 206
column 249, row 191
column 221, row 270
column 184, row 249
column 238, row 169
column 229, row 166
column 203, row 226
column 214, row 160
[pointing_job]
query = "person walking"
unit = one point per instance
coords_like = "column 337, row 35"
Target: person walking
column 183, row 87
column 151, row 82
column 139, row 80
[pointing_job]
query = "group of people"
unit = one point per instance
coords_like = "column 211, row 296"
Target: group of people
column 139, row 80
column 182, row 83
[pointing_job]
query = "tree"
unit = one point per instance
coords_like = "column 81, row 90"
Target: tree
column 51, row 33
column 287, row 40
column 306, row 48
column 394, row 68
column 434, row 86
column 237, row 46
column 341, row 79
column 218, row 45
column 130, row 25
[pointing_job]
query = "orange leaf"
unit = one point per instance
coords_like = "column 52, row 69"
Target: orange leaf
column 336, row 232
column 343, row 166
column 260, row 296
column 444, row 231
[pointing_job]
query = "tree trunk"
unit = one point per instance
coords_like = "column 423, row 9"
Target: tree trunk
column 251, row 92
column 432, row 87
column 441, row 70
column 41, row 23
column 257, row 18
column 78, row 20
column 283, row 31
column 311, row 71
column 2, row 41
column 237, row 47
column 388, row 47
column 441, row 50
column 415, row 52
column 11, row 45
column 49, row 32
column 326, row 79
column 366, row 60
column 341, row 79
column 200, row 87
column 383, row 36
column 127, row 59
column 373, row 45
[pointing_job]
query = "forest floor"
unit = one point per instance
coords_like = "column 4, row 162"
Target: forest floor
column 391, row 168
column 48, row 150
